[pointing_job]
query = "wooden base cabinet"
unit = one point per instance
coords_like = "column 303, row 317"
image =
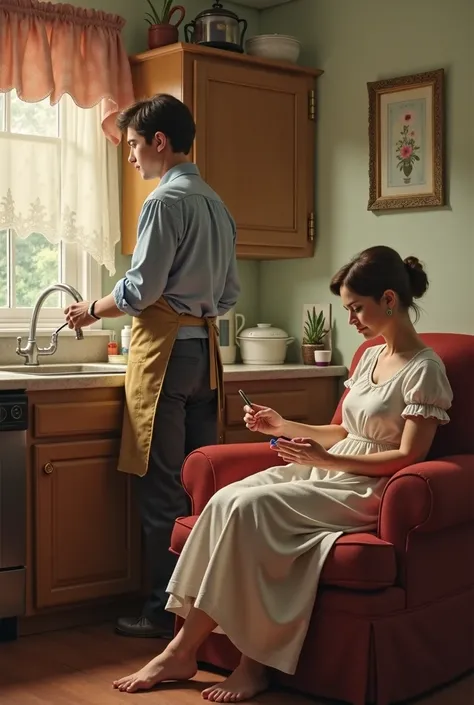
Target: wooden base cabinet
column 83, row 529
column 84, row 532
column 306, row 400
column 255, row 125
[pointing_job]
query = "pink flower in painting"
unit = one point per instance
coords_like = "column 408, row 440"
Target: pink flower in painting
column 406, row 151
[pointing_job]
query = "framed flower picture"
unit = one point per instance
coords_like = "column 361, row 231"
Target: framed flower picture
column 406, row 149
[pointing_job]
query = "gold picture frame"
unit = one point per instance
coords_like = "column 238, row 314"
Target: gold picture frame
column 406, row 142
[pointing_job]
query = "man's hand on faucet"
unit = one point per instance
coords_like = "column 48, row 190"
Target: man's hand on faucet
column 78, row 316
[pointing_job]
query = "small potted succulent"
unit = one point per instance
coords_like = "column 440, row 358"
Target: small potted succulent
column 314, row 334
column 161, row 31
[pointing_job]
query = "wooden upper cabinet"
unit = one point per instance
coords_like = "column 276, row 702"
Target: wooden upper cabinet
column 255, row 125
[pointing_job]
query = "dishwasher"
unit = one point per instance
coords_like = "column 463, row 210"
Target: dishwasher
column 13, row 428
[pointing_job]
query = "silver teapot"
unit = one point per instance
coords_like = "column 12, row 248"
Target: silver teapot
column 217, row 28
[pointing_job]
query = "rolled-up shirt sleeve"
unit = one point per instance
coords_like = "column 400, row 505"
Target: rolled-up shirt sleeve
column 159, row 232
column 232, row 283
column 231, row 291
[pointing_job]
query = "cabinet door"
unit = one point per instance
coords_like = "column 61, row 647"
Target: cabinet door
column 255, row 147
column 87, row 535
column 305, row 400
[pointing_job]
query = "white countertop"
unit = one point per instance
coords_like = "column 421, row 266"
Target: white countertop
column 232, row 373
column 241, row 373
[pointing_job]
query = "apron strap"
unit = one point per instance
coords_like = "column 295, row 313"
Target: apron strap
column 215, row 364
column 213, row 351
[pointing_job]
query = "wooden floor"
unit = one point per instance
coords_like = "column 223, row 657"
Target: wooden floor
column 76, row 667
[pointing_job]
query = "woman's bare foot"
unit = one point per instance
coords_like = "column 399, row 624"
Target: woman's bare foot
column 248, row 680
column 167, row 666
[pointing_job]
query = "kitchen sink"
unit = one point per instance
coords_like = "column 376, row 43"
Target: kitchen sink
column 68, row 370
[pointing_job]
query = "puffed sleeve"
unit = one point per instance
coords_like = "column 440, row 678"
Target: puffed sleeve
column 363, row 365
column 427, row 392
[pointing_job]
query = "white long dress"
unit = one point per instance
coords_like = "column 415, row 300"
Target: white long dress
column 253, row 559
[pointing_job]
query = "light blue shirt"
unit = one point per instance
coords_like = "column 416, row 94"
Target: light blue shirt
column 185, row 252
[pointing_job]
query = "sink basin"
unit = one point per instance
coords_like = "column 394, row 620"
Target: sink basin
column 68, row 370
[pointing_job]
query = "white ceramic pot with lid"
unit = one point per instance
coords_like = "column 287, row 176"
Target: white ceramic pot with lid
column 263, row 345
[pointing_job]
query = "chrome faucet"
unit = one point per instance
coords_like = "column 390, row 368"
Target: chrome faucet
column 32, row 351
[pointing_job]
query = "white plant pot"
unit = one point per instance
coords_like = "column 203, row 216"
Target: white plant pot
column 322, row 358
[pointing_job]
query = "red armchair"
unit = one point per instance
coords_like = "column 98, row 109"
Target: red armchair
column 394, row 614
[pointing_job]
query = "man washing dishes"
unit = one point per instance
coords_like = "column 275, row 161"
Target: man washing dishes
column 182, row 275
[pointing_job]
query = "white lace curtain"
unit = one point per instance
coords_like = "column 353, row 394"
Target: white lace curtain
column 66, row 188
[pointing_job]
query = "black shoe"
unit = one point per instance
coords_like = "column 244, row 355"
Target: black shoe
column 144, row 627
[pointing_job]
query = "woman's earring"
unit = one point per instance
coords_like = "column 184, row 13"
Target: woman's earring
column 389, row 312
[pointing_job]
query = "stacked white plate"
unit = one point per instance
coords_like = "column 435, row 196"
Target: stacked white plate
column 280, row 47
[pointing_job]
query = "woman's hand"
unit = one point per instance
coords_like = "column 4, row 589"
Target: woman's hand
column 264, row 420
column 303, row 451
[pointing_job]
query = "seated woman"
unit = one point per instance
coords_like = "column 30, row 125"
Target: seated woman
column 251, row 566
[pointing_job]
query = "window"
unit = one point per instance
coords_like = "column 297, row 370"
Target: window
column 28, row 265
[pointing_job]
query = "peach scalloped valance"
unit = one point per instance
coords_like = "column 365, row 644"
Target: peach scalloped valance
column 51, row 49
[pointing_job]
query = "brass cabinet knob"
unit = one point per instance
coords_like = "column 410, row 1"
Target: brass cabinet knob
column 48, row 468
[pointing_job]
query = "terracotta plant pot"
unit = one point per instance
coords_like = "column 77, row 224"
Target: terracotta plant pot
column 160, row 35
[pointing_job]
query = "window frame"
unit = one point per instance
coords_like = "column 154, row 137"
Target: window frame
column 76, row 268
column 79, row 271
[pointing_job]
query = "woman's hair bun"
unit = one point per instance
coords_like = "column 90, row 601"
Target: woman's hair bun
column 418, row 278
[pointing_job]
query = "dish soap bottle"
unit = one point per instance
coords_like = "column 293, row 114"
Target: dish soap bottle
column 112, row 347
column 125, row 339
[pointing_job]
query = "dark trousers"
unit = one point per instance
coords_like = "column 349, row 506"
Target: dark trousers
column 186, row 419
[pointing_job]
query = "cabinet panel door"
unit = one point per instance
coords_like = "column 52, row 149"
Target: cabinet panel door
column 252, row 147
column 242, row 435
column 60, row 418
column 87, row 534
column 293, row 404
column 304, row 400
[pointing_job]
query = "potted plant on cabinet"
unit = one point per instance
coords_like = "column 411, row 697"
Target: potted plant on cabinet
column 161, row 32
column 314, row 334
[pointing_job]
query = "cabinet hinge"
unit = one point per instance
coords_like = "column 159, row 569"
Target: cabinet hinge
column 311, row 227
column 312, row 105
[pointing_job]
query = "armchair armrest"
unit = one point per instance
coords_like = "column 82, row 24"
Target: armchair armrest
column 427, row 497
column 208, row 469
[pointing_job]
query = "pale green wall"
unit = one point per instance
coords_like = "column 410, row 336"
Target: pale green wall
column 355, row 41
column 135, row 37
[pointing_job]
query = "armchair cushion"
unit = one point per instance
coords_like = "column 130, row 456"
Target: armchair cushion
column 357, row 562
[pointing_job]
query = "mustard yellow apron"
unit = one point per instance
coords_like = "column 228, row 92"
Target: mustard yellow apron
column 153, row 336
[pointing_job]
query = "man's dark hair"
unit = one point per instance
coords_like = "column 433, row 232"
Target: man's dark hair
column 161, row 113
